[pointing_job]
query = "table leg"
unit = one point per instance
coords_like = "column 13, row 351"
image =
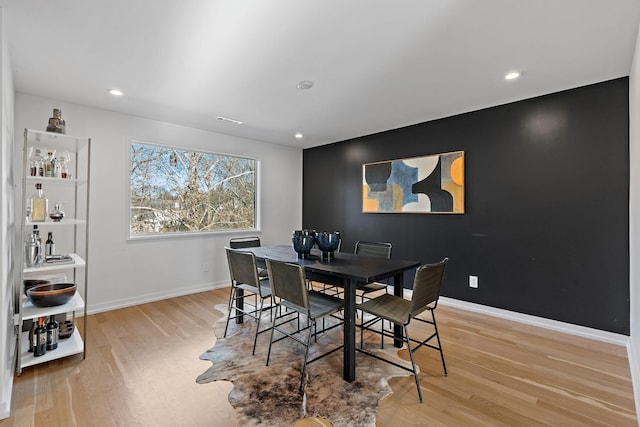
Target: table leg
column 239, row 303
column 398, row 290
column 349, row 363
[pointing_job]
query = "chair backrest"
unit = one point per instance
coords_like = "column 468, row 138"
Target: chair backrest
column 242, row 267
column 426, row 287
column 244, row 242
column 288, row 282
column 379, row 249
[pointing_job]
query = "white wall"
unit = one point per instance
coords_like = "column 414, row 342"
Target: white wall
column 124, row 272
column 7, row 335
column 634, row 220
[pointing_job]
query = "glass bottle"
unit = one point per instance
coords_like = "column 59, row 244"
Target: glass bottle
column 39, row 205
column 53, row 330
column 32, row 332
column 50, row 165
column 40, row 339
column 49, row 246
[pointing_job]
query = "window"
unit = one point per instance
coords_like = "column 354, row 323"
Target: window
column 180, row 191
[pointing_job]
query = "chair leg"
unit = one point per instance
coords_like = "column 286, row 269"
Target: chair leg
column 306, row 354
column 273, row 328
column 413, row 363
column 435, row 326
column 255, row 339
column 231, row 299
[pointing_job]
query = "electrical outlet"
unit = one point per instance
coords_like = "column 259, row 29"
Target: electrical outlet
column 473, row 281
column 205, row 266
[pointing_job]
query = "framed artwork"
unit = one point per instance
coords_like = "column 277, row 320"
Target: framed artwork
column 429, row 184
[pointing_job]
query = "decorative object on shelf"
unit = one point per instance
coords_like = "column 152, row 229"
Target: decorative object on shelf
column 429, row 184
column 36, row 162
column 66, row 329
column 56, row 214
column 328, row 243
column 57, row 123
column 302, row 242
column 39, row 205
column 50, row 164
column 51, row 294
column 32, row 250
column 30, row 283
column 64, row 158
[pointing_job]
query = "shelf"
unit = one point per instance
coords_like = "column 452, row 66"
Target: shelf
column 73, row 230
column 29, row 311
column 77, row 262
column 47, row 223
column 55, row 140
column 66, row 347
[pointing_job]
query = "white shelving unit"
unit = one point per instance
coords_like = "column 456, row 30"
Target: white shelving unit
column 70, row 235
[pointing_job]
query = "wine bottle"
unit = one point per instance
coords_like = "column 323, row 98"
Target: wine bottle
column 40, row 339
column 53, row 330
column 39, row 205
column 50, row 246
column 32, row 332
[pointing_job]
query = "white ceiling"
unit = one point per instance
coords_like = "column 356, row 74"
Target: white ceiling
column 376, row 64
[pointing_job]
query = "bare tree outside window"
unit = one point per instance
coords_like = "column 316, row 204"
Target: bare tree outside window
column 180, row 191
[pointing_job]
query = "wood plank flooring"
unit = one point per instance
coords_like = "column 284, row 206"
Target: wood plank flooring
column 142, row 363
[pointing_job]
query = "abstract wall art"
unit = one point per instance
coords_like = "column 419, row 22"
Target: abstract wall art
column 429, row 184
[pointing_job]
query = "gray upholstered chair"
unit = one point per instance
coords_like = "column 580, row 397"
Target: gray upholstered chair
column 426, row 291
column 289, row 286
column 244, row 283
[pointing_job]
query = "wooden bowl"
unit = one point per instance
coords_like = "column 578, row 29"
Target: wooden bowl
column 51, row 294
column 30, row 283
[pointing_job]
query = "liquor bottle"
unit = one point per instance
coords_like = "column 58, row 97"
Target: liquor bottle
column 40, row 339
column 32, row 332
column 39, row 205
column 53, row 330
column 49, row 245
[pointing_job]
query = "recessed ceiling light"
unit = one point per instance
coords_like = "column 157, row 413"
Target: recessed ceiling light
column 512, row 75
column 304, row 85
column 227, row 120
column 299, row 135
column 116, row 92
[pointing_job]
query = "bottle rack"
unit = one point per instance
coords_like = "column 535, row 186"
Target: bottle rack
column 71, row 237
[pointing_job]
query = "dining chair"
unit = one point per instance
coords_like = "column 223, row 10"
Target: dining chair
column 244, row 242
column 244, row 279
column 375, row 249
column 426, row 292
column 248, row 242
column 289, row 287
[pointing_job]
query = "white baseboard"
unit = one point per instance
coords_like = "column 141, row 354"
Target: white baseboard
column 633, row 352
column 143, row 299
column 541, row 322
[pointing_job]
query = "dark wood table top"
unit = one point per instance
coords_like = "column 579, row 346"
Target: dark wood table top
column 344, row 265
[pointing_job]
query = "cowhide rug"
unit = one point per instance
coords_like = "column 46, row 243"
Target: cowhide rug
column 269, row 396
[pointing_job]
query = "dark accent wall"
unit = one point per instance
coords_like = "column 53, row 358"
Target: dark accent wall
column 546, row 227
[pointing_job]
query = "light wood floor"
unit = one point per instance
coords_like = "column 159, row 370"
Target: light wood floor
column 142, row 363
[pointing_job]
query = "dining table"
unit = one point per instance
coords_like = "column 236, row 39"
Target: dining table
column 348, row 271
